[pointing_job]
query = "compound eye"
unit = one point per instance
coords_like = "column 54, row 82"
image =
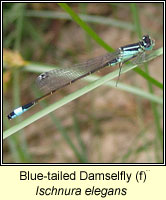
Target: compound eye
column 146, row 41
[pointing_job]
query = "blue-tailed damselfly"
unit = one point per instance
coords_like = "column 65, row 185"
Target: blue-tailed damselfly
column 58, row 78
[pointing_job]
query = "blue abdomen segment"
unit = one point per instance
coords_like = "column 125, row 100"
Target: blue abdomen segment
column 20, row 110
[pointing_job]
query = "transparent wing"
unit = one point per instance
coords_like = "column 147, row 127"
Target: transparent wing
column 139, row 59
column 58, row 78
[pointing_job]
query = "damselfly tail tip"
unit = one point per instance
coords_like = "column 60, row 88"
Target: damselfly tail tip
column 10, row 116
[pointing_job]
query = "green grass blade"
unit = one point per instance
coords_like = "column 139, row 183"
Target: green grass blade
column 151, row 56
column 66, row 100
column 137, row 24
column 86, row 18
column 149, row 78
column 85, row 27
column 130, row 89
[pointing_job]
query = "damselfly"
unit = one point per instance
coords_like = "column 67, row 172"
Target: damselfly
column 58, row 78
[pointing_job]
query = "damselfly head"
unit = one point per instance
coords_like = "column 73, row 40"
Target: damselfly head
column 147, row 43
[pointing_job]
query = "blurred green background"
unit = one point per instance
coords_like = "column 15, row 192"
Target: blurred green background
column 108, row 124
